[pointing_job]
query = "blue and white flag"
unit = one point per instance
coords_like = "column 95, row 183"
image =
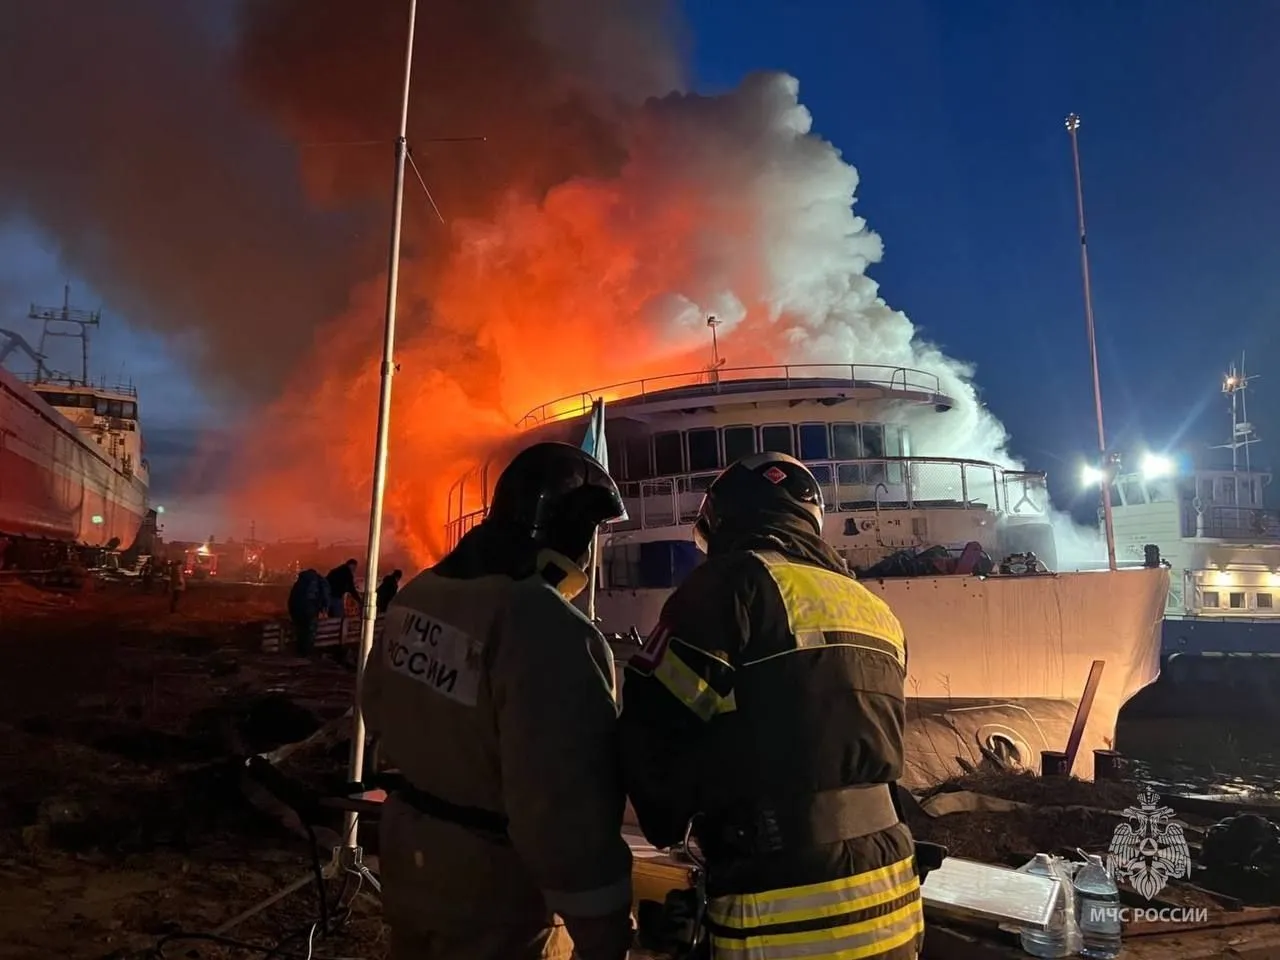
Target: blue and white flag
column 595, row 444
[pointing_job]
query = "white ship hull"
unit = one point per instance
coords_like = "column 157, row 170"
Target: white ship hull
column 999, row 657
column 56, row 484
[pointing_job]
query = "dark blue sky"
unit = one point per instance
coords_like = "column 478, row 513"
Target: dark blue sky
column 953, row 114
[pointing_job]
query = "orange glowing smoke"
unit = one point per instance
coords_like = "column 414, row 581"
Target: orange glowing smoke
column 545, row 301
column 724, row 205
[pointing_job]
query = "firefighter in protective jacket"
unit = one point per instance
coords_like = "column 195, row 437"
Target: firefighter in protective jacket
column 767, row 707
column 494, row 698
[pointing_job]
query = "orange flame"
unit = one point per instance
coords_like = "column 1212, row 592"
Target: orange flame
column 543, row 302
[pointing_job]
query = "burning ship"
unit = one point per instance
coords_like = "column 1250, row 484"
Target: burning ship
column 71, row 457
column 1001, row 661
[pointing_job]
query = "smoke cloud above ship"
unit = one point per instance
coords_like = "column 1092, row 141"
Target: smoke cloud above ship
column 605, row 215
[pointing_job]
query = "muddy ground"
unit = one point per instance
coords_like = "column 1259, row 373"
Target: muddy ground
column 122, row 814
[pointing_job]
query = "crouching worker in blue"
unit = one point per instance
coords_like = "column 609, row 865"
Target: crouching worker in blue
column 768, row 707
column 494, row 698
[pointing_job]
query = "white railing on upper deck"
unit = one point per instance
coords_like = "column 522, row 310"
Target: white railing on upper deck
column 34, row 379
column 731, row 379
column 895, row 483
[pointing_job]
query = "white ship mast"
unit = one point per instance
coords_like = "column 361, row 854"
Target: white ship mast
column 65, row 321
column 1242, row 435
column 1107, row 464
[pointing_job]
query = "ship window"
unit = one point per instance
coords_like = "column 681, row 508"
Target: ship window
column 115, row 409
column 1226, row 490
column 100, row 406
column 1160, row 491
column 845, row 443
column 739, row 442
column 704, row 449
column 637, row 452
column 1133, row 492
column 1264, row 601
column 873, row 444
column 1236, row 600
column 814, row 443
column 1210, row 598
column 131, row 411
column 893, row 448
column 776, row 439
column 668, row 453
column 873, row 440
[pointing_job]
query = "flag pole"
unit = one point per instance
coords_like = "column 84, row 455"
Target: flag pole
column 355, row 770
column 595, row 435
column 592, row 569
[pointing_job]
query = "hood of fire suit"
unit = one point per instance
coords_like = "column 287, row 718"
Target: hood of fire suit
column 781, row 531
column 492, row 548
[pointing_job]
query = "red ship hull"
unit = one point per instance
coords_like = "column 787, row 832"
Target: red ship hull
column 53, row 483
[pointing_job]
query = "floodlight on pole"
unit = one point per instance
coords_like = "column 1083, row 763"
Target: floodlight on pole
column 1155, row 466
column 355, row 770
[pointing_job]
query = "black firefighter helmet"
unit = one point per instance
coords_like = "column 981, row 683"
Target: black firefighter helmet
column 750, row 489
column 557, row 495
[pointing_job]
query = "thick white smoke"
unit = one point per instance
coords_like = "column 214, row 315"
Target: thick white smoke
column 730, row 205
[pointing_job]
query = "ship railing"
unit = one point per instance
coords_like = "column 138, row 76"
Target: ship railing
column 889, row 483
column 1234, row 523
column 54, row 380
column 729, row 379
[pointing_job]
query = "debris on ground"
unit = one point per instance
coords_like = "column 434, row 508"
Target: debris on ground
column 124, row 813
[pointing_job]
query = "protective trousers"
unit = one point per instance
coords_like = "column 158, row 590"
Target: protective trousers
column 491, row 943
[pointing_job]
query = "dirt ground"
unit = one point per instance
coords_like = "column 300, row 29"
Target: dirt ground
column 122, row 814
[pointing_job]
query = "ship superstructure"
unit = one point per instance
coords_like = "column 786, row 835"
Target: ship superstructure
column 997, row 663
column 71, row 454
column 1220, row 537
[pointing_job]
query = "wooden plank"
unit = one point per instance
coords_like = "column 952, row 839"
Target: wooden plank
column 1083, row 711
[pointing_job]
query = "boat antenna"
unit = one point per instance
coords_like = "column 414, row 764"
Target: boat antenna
column 55, row 321
column 717, row 361
column 1108, row 466
column 1242, row 435
column 355, row 772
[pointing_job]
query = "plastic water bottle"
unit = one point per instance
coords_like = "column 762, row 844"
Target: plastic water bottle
column 1097, row 910
column 1055, row 941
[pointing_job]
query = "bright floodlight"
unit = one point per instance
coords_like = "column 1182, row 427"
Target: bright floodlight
column 1154, row 465
column 1090, row 476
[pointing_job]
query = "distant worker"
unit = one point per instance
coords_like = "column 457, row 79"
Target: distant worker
column 494, row 697
column 147, row 575
column 177, row 584
column 308, row 598
column 387, row 589
column 767, row 707
column 342, row 583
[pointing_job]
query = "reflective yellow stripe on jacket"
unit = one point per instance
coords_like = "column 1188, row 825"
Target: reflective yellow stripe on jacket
column 827, row 608
column 856, row 917
column 684, row 683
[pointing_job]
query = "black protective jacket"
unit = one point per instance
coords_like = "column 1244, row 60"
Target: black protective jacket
column 772, row 677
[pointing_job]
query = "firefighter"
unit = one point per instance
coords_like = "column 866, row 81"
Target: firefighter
column 387, row 590
column 767, row 707
column 493, row 697
column 177, row 584
column 342, row 584
column 308, row 598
